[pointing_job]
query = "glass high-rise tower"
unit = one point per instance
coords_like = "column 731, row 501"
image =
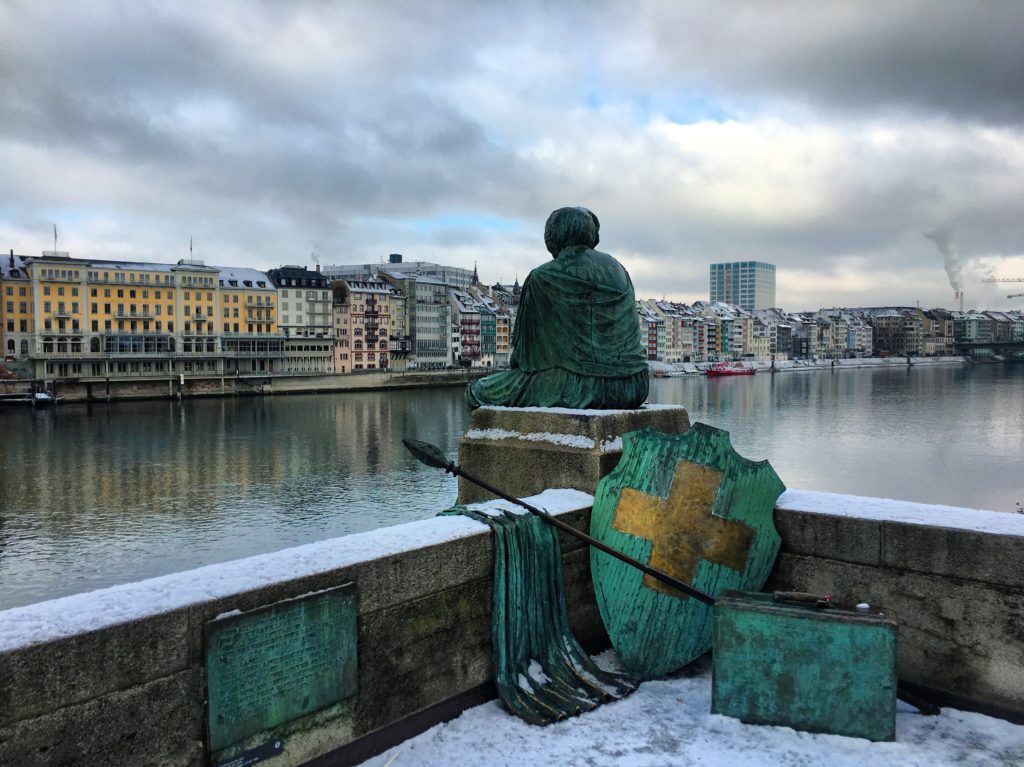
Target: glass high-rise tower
column 747, row 284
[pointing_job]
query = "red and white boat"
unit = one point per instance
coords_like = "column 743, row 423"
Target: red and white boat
column 730, row 369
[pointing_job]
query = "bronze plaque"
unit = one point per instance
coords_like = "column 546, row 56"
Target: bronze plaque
column 270, row 666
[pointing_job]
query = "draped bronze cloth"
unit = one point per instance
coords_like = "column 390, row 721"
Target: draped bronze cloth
column 541, row 671
column 576, row 340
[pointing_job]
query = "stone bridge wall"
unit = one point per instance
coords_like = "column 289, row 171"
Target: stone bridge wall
column 117, row 676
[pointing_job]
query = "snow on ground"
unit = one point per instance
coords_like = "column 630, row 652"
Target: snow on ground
column 667, row 723
column 888, row 510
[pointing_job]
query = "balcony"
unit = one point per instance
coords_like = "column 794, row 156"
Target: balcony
column 61, row 355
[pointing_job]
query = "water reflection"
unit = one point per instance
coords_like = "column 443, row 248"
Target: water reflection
column 949, row 435
column 102, row 494
column 96, row 494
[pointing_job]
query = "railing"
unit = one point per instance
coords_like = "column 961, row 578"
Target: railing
column 62, row 355
column 262, row 336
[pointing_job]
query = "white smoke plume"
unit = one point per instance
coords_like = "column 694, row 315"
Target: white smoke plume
column 943, row 239
column 985, row 269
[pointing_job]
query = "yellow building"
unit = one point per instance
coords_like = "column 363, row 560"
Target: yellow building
column 16, row 309
column 251, row 341
column 99, row 319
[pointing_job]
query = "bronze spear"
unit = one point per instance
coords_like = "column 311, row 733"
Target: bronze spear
column 431, row 455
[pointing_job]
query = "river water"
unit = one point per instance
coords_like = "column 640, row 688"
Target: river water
column 93, row 495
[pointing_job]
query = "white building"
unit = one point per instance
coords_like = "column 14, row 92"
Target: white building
column 305, row 317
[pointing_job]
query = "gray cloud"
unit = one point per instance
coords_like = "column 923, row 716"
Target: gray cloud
column 813, row 136
column 941, row 58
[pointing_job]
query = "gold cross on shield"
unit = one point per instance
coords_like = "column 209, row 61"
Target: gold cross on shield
column 682, row 528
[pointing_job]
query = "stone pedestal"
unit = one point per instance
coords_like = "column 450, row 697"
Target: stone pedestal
column 525, row 451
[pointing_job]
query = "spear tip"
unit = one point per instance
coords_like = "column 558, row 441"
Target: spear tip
column 428, row 454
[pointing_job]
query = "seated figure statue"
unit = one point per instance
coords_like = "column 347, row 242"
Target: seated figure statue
column 576, row 342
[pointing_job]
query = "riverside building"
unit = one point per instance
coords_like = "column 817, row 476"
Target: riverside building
column 16, row 309
column 428, row 320
column 365, row 321
column 453, row 276
column 305, row 311
column 97, row 319
column 251, row 341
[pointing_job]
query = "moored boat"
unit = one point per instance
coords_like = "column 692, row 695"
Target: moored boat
column 35, row 399
column 730, row 369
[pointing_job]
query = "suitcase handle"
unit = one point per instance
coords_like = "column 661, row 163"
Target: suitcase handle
column 802, row 598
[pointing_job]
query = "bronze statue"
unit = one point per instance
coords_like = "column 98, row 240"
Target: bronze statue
column 576, row 342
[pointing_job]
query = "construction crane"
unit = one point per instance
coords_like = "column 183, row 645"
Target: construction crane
column 1004, row 279
column 1016, row 295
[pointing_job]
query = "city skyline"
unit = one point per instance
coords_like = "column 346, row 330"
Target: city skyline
column 339, row 272
column 874, row 154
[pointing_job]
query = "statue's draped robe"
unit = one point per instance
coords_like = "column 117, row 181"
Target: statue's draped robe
column 576, row 339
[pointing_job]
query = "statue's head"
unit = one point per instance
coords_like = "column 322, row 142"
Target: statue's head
column 570, row 226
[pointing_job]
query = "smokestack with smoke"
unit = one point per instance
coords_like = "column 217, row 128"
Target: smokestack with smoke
column 943, row 239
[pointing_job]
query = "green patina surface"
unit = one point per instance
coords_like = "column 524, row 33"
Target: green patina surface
column 689, row 505
column 542, row 673
column 820, row 670
column 576, row 341
column 270, row 666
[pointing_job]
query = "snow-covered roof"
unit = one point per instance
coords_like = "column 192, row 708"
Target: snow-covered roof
column 371, row 286
column 19, row 265
column 240, row 276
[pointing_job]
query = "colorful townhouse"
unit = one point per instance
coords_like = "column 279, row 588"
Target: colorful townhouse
column 363, row 317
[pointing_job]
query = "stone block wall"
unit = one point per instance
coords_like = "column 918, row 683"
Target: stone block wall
column 164, row 387
column 133, row 691
column 949, row 576
column 526, row 450
column 80, row 684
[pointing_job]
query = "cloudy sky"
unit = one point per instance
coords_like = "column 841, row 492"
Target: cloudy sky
column 827, row 138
